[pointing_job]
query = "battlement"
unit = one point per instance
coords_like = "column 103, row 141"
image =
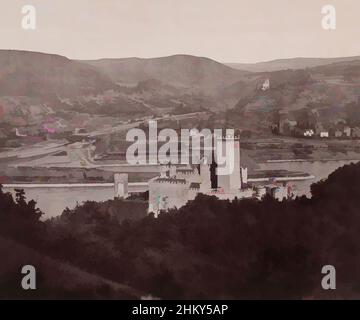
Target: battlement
column 195, row 185
column 170, row 180
column 186, row 172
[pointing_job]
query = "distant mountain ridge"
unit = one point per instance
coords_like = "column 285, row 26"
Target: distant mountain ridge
column 184, row 71
column 292, row 63
column 34, row 84
column 25, row 73
column 34, row 74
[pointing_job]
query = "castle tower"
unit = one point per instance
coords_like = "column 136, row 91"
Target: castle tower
column 230, row 181
column 205, row 176
column 235, row 178
column 121, row 185
column 172, row 171
column 244, row 175
column 166, row 193
column 163, row 171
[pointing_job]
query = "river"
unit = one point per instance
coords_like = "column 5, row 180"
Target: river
column 52, row 201
column 320, row 169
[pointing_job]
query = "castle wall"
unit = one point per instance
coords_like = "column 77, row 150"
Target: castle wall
column 192, row 176
column 169, row 194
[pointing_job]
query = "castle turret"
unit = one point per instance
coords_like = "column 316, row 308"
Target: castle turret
column 121, row 185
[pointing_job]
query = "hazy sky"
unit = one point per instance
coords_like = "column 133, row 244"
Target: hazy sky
column 225, row 30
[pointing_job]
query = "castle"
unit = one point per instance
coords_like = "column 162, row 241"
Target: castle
column 177, row 185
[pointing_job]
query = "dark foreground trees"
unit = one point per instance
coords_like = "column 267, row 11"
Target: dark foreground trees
column 220, row 249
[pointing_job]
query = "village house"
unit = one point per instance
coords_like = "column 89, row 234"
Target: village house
column 347, row 132
column 355, row 132
column 321, row 131
column 287, row 123
column 338, row 133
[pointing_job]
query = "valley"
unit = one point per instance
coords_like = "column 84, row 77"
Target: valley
column 64, row 121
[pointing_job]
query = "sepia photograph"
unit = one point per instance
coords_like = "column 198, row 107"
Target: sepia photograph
column 162, row 150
